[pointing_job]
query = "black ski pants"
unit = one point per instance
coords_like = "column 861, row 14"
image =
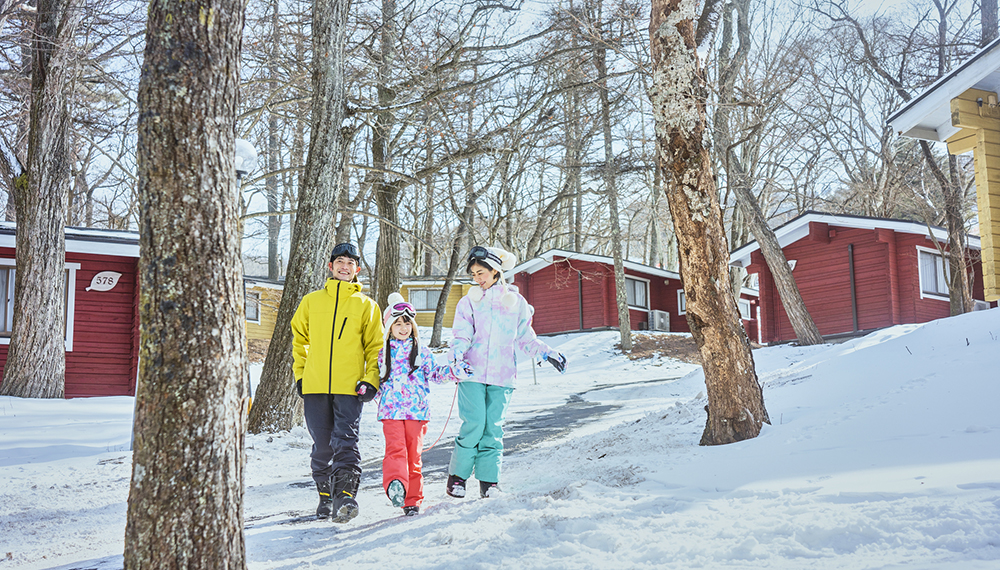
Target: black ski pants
column 333, row 421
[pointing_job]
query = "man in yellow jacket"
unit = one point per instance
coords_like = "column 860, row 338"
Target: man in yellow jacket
column 337, row 336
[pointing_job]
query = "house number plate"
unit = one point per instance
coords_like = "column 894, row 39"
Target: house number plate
column 104, row 281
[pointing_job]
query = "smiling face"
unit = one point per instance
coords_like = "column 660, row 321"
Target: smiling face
column 483, row 276
column 344, row 268
column 401, row 328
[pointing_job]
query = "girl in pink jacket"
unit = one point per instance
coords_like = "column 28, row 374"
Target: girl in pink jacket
column 491, row 321
column 406, row 370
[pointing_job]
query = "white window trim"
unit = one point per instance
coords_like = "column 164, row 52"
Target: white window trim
column 681, row 307
column 70, row 301
column 259, row 302
column 409, row 299
column 647, row 308
column 745, row 303
column 920, row 274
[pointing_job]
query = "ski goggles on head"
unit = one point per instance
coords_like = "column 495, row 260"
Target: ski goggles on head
column 345, row 250
column 480, row 253
column 402, row 310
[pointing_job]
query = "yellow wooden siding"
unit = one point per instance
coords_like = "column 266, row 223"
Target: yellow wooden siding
column 426, row 318
column 977, row 111
column 269, row 300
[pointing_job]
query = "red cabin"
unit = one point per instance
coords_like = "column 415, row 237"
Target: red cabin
column 857, row 274
column 576, row 292
column 102, row 309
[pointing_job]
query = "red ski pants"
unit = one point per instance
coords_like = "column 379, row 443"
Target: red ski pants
column 404, row 441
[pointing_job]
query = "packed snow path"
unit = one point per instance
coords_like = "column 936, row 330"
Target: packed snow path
column 884, row 453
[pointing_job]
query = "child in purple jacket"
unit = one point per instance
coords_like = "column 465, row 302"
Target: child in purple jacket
column 406, row 370
column 491, row 321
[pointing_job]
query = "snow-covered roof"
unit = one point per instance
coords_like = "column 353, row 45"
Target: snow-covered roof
column 263, row 282
column 798, row 228
column 928, row 116
column 431, row 280
column 86, row 240
column 547, row 258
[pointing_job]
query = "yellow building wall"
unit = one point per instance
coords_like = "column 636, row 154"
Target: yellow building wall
column 426, row 318
column 978, row 114
column 269, row 300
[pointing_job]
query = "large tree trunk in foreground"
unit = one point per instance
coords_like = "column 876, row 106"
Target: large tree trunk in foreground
column 36, row 361
column 185, row 505
column 276, row 406
column 735, row 401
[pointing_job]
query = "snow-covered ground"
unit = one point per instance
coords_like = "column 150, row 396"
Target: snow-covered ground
column 884, row 452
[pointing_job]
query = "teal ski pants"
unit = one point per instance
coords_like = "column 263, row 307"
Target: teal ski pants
column 479, row 445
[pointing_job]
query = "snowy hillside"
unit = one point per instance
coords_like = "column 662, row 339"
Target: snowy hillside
column 884, row 452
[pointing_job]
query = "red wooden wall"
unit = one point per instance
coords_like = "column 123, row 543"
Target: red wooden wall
column 104, row 358
column 887, row 283
column 554, row 292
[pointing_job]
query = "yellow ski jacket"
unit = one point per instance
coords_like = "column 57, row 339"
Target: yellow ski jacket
column 337, row 334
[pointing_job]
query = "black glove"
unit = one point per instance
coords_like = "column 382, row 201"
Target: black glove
column 558, row 362
column 298, row 387
column 366, row 392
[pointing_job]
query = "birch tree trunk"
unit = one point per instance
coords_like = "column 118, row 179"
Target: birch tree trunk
column 276, row 406
column 36, row 361
column 185, row 505
column 735, row 400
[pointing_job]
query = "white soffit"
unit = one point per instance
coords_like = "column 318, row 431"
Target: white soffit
column 928, row 116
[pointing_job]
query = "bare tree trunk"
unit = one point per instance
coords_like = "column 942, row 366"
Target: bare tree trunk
column 386, row 192
column 988, row 21
column 455, row 260
column 276, row 406
column 36, row 361
column 806, row 331
column 185, row 505
column 735, row 401
column 271, row 184
column 611, row 190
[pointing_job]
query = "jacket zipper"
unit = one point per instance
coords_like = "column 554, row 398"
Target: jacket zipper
column 333, row 329
column 341, row 328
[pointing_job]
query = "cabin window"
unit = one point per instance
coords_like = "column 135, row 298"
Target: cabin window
column 253, row 307
column 424, row 299
column 682, row 305
column 637, row 293
column 745, row 313
column 7, row 274
column 934, row 273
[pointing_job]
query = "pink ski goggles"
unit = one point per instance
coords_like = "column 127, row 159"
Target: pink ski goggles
column 402, row 310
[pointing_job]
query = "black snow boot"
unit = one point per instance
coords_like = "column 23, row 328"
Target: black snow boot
column 325, row 500
column 345, row 489
column 456, row 486
column 488, row 489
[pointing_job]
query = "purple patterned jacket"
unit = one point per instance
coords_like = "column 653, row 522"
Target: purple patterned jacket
column 403, row 396
column 486, row 334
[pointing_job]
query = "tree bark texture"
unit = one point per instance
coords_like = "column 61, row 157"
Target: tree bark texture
column 185, row 505
column 36, row 361
column 988, row 21
column 386, row 192
column 611, row 190
column 276, row 406
column 735, row 400
column 806, row 331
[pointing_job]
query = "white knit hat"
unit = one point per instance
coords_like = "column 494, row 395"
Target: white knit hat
column 498, row 260
column 395, row 307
